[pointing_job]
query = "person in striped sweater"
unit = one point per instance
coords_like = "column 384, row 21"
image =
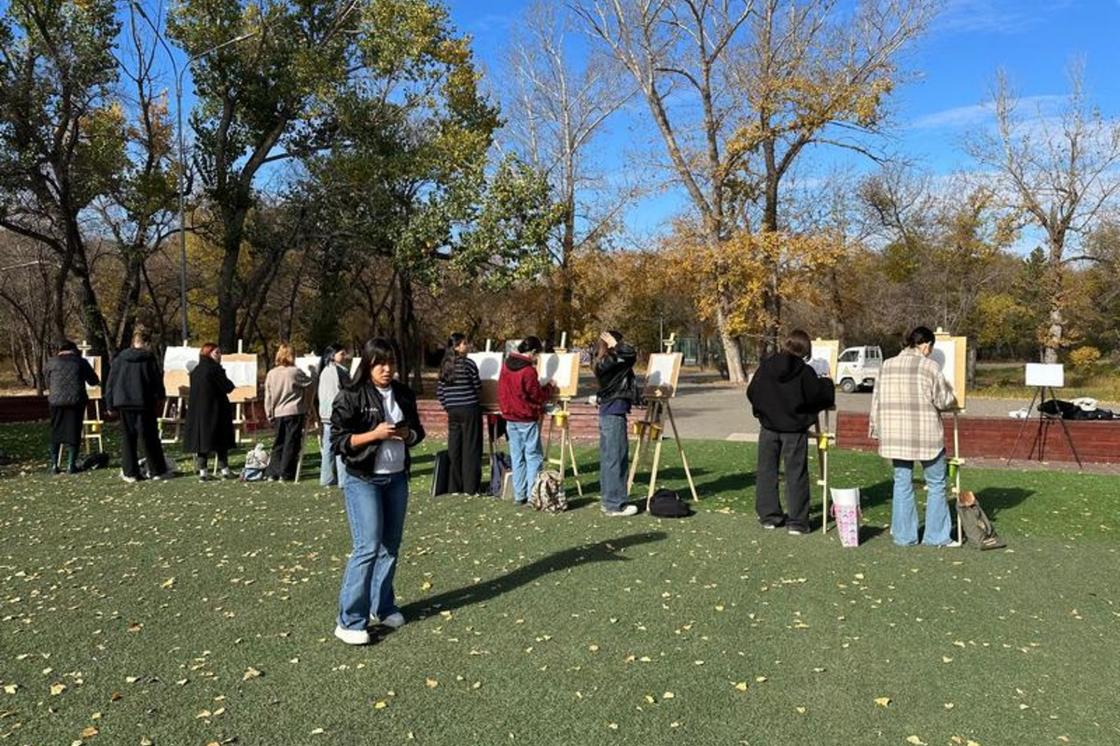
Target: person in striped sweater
column 458, row 390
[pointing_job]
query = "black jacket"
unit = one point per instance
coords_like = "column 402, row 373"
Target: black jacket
column 68, row 374
column 135, row 381
column 615, row 374
column 209, row 413
column 786, row 394
column 359, row 409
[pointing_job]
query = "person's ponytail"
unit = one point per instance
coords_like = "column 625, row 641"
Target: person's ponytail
column 447, row 367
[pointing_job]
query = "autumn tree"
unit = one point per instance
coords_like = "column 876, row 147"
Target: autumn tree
column 61, row 137
column 555, row 106
column 1059, row 175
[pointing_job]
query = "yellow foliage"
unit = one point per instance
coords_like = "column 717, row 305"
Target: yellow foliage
column 1084, row 358
column 745, row 275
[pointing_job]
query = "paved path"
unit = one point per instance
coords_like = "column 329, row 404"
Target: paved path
column 720, row 411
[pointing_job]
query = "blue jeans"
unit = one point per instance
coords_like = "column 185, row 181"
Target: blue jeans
column 331, row 470
column 525, row 453
column 375, row 509
column 904, row 512
column 614, row 449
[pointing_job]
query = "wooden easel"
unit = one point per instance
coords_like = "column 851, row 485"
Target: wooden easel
column 652, row 428
column 92, row 427
column 955, row 464
column 560, row 420
column 174, row 417
column 824, row 439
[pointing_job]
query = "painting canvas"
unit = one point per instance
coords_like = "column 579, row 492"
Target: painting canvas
column 309, row 364
column 561, row 369
column 950, row 353
column 823, row 357
column 489, row 368
column 662, row 373
column 1049, row 375
column 241, row 368
column 94, row 392
column 178, row 362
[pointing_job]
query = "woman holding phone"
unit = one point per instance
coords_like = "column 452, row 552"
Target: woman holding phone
column 374, row 423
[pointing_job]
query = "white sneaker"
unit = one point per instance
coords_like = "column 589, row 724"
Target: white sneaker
column 623, row 512
column 954, row 544
column 166, row 475
column 226, row 474
column 352, row 636
column 393, row 621
column 130, row 480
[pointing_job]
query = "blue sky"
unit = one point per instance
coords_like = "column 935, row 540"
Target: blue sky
column 1034, row 41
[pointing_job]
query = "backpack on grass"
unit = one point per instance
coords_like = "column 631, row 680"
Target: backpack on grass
column 547, row 492
column 256, row 462
column 668, row 504
column 978, row 529
column 500, row 465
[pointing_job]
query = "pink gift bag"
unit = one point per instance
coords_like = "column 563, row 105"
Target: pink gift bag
column 845, row 509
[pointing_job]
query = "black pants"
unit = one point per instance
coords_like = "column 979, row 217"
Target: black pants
column 139, row 425
column 285, row 451
column 793, row 448
column 201, row 459
column 464, row 450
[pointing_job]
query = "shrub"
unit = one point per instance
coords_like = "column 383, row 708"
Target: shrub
column 1083, row 359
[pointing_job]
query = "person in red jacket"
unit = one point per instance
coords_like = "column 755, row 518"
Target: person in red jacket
column 521, row 399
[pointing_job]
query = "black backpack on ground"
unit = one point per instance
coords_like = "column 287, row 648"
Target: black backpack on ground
column 94, row 461
column 668, row 504
column 500, row 465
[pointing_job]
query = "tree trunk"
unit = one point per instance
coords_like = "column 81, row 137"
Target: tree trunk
column 229, row 299
column 1056, row 318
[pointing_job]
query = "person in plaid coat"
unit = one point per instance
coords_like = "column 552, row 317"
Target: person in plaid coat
column 906, row 408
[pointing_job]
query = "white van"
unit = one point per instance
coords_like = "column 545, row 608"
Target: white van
column 858, row 367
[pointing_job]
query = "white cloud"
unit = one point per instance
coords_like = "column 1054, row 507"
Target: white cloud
column 997, row 16
column 962, row 117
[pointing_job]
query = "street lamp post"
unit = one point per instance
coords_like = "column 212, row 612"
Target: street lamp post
column 181, row 177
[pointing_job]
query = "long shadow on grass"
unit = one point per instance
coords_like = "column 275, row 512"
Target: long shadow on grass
column 996, row 499
column 608, row 550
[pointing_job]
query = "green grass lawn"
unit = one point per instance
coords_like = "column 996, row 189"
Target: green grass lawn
column 187, row 613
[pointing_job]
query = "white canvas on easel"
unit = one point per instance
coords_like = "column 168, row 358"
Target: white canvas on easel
column 489, row 370
column 178, row 362
column 560, row 369
column 94, row 392
column 1048, row 375
column 950, row 353
column 241, row 369
column 662, row 373
column 824, row 355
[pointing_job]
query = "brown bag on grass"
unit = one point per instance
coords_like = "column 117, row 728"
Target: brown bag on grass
column 977, row 527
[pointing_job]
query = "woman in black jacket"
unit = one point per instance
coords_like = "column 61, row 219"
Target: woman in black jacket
column 374, row 423
column 786, row 395
column 68, row 374
column 614, row 371
column 209, row 413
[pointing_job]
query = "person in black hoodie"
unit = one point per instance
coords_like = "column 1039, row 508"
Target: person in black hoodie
column 134, row 390
column 614, row 371
column 374, row 423
column 786, row 396
column 68, row 374
column 209, row 413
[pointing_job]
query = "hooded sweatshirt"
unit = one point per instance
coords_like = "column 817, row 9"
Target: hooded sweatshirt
column 135, row 381
column 520, row 394
column 786, row 394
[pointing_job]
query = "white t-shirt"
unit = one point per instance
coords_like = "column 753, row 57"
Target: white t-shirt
column 390, row 456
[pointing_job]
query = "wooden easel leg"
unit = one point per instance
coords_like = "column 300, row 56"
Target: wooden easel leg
column 575, row 466
column 680, row 450
column 656, row 464
column 824, row 487
column 563, row 448
column 643, row 429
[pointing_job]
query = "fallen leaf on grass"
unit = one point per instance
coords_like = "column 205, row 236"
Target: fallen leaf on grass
column 741, row 686
column 11, row 688
column 916, row 741
column 57, row 689
column 882, row 701
column 251, row 673
column 89, row 732
column 431, row 683
column 169, row 583
column 380, row 704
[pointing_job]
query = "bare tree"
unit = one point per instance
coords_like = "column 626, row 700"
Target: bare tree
column 1059, row 173
column 555, row 107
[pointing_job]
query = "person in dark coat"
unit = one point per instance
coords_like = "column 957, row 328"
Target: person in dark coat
column 68, row 374
column 209, row 413
column 614, row 371
column 786, row 395
column 134, row 390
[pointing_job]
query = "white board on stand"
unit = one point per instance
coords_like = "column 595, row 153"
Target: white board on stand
column 241, row 369
column 1052, row 375
column 489, row 370
column 178, row 362
column 951, row 354
column 823, row 357
column 94, row 392
column 309, row 364
column 560, row 369
column 662, row 373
